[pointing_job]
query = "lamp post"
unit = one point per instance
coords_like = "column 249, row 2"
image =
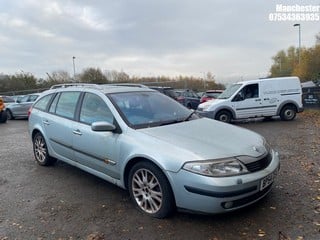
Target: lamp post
column 74, row 68
column 299, row 51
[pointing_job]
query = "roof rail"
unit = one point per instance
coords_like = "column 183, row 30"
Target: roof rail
column 96, row 86
column 65, row 85
column 127, row 85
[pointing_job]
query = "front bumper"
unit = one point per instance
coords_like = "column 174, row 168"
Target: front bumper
column 208, row 114
column 199, row 193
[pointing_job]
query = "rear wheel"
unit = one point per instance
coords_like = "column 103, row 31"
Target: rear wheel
column 224, row 116
column 9, row 114
column 288, row 113
column 150, row 190
column 40, row 151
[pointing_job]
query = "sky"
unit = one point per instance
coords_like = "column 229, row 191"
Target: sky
column 232, row 39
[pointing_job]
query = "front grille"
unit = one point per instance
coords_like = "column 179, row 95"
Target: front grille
column 249, row 199
column 260, row 164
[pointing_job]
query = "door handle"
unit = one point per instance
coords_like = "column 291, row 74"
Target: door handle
column 45, row 122
column 77, row 132
column 266, row 99
column 258, row 100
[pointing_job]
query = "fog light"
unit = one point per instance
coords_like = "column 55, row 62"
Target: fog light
column 227, row 205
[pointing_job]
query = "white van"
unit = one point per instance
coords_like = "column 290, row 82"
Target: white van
column 256, row 98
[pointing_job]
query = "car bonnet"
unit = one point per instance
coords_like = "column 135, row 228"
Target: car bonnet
column 209, row 139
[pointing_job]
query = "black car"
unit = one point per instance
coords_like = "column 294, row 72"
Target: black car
column 188, row 98
column 169, row 91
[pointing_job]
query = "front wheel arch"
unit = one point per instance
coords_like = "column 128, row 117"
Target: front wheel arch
column 9, row 114
column 288, row 112
column 224, row 115
column 168, row 205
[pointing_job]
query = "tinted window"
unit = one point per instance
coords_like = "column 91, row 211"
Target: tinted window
column 94, row 109
column 67, row 103
column 43, row 102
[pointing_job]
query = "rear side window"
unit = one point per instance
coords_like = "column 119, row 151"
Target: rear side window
column 43, row 102
column 66, row 105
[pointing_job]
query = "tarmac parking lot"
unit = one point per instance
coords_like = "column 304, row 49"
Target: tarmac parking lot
column 63, row 202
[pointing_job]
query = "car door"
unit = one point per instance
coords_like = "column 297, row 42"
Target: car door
column 247, row 102
column 25, row 106
column 59, row 124
column 93, row 149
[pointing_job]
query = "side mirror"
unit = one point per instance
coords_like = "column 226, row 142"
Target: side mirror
column 102, row 127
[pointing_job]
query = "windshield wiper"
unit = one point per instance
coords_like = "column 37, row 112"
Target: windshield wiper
column 169, row 122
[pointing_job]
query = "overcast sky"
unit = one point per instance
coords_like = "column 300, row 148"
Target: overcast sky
column 233, row 39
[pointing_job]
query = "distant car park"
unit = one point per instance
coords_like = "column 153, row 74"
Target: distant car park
column 20, row 108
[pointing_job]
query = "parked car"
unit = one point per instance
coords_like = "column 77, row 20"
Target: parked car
column 169, row 91
column 188, row 98
column 209, row 95
column 148, row 143
column 257, row 98
column 18, row 98
column 20, row 108
column 7, row 100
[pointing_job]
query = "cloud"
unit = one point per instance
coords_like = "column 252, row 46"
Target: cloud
column 232, row 39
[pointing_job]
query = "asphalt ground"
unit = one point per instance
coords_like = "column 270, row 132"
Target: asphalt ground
column 63, row 202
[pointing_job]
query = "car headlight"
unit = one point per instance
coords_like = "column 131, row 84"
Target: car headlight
column 216, row 168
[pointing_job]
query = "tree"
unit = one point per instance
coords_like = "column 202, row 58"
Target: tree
column 93, row 75
column 287, row 63
column 60, row 76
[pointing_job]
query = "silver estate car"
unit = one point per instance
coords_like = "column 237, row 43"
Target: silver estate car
column 146, row 142
column 20, row 108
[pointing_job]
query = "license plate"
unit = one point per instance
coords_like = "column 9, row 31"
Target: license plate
column 266, row 181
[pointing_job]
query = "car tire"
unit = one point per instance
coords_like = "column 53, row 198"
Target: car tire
column 150, row 190
column 224, row 116
column 9, row 115
column 40, row 151
column 288, row 113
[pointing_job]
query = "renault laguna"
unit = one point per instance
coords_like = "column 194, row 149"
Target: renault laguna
column 151, row 145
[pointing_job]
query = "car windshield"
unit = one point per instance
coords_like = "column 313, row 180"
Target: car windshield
column 229, row 91
column 149, row 109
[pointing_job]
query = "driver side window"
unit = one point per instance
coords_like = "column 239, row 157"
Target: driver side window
column 247, row 92
column 94, row 109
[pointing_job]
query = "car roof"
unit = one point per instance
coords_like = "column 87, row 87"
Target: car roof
column 104, row 88
column 214, row 91
column 6, row 98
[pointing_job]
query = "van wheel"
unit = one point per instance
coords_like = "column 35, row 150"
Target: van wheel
column 288, row 113
column 150, row 190
column 223, row 116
